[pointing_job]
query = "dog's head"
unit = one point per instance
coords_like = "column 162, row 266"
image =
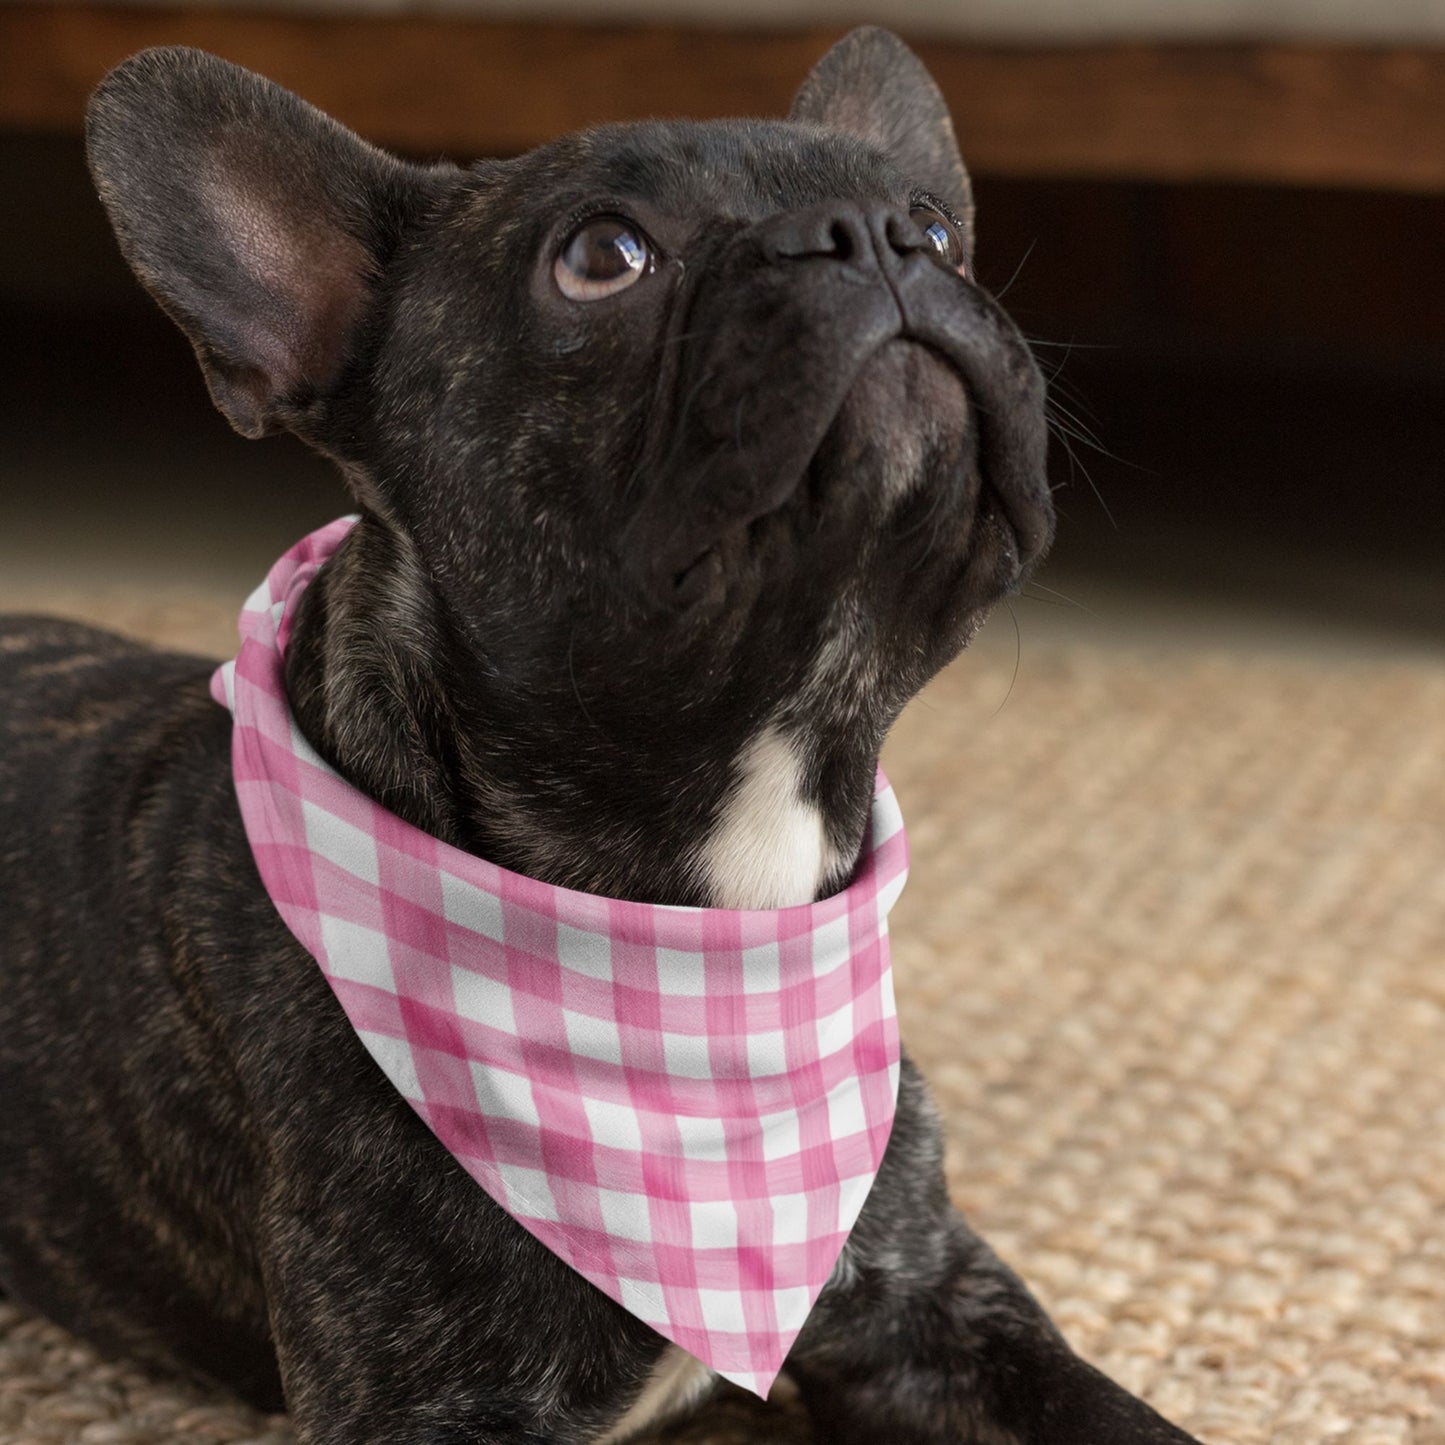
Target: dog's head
column 666, row 436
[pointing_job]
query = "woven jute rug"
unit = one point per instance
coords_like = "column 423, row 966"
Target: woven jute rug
column 1173, row 954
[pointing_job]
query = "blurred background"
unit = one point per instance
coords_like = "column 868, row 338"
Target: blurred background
column 1172, row 951
column 1223, row 223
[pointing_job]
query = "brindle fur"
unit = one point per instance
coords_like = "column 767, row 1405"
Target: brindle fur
column 548, row 640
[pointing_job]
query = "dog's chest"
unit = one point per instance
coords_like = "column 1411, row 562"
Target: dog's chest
column 769, row 847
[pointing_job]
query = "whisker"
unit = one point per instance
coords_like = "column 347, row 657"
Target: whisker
column 1054, row 599
column 1072, row 345
column 1004, row 290
column 572, row 678
column 1075, row 465
column 1062, row 596
column 1018, row 658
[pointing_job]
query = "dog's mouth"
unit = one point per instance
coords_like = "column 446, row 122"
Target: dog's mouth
column 683, row 565
column 803, row 502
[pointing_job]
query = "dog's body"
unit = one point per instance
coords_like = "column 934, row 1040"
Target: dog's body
column 682, row 463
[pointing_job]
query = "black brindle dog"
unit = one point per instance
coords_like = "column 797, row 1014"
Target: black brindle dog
column 685, row 454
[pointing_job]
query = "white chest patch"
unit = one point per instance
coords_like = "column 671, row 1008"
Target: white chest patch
column 768, row 848
column 678, row 1383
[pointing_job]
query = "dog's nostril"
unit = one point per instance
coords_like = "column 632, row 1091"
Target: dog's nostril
column 824, row 233
column 903, row 235
column 845, row 242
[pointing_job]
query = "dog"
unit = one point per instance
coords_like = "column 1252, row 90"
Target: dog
column 684, row 454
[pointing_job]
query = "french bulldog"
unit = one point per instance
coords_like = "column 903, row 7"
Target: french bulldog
column 684, row 454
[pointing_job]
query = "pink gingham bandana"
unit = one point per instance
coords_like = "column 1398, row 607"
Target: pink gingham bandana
column 687, row 1105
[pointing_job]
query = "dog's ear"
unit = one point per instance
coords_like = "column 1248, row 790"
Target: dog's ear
column 258, row 223
column 870, row 84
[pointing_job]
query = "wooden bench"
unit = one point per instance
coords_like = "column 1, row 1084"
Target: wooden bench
column 1298, row 114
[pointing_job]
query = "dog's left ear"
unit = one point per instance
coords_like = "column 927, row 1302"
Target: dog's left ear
column 871, row 85
column 259, row 224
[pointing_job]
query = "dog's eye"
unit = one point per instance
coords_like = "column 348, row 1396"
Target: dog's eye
column 601, row 257
column 942, row 236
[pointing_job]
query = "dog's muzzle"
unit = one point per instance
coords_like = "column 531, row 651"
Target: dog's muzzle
column 796, row 311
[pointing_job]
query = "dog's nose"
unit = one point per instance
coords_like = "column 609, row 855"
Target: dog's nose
column 845, row 232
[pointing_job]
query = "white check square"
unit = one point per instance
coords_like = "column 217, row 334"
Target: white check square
column 687, row 1056
column 626, row 1216
column 722, row 1310
column 504, row 1095
column 593, row 1038
column 702, row 1138
column 782, row 1138
column 395, row 1059
column 846, row 1115
column 356, row 952
column 767, row 1054
column 483, row 1000
column 529, row 1195
column 681, row 973
column 790, row 1218
column 792, row 1306
column 835, row 1030
column 471, row 907
column 643, row 1299
column 584, row 953
column 762, row 970
column 830, row 942
column 351, row 848
column 612, row 1123
column 714, row 1224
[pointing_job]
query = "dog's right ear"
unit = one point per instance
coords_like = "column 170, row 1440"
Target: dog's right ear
column 870, row 84
column 257, row 222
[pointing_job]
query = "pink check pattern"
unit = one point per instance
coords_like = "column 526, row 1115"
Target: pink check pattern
column 687, row 1105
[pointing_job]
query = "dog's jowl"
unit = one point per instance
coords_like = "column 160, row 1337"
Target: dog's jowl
column 682, row 455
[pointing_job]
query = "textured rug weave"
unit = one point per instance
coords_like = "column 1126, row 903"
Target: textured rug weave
column 1173, row 955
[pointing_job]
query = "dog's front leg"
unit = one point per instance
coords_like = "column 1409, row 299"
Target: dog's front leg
column 407, row 1309
column 924, row 1336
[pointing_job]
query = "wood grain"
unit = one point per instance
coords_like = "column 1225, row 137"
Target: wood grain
column 1296, row 114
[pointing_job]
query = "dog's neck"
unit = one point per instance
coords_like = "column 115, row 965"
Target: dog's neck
column 759, row 813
